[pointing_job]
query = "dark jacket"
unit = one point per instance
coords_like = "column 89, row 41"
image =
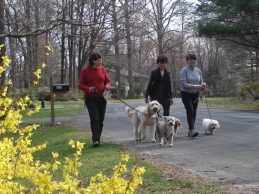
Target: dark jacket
column 153, row 84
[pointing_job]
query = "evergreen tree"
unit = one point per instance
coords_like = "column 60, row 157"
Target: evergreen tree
column 233, row 20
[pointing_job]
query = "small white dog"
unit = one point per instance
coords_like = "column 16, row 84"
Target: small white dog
column 167, row 129
column 210, row 125
column 144, row 116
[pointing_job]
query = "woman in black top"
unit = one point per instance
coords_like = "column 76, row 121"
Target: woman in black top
column 159, row 86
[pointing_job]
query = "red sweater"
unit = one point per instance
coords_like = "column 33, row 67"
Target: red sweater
column 94, row 77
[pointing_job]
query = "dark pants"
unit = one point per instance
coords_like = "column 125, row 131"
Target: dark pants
column 96, row 109
column 166, row 106
column 190, row 102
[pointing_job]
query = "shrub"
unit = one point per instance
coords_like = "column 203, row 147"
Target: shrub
column 250, row 90
column 17, row 164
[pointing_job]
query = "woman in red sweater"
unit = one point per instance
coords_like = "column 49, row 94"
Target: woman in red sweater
column 93, row 81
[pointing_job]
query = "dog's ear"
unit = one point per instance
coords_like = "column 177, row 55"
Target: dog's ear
column 159, row 106
column 178, row 123
column 148, row 106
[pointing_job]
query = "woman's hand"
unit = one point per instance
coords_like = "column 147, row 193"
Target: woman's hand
column 204, row 85
column 199, row 87
column 107, row 87
column 92, row 90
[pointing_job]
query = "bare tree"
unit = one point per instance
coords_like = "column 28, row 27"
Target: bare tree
column 2, row 30
column 116, row 45
column 161, row 16
column 129, row 47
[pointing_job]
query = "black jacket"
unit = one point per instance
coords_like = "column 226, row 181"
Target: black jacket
column 155, row 78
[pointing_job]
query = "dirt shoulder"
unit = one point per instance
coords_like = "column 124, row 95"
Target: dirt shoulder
column 171, row 171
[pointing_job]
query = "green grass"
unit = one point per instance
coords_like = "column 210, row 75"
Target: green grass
column 64, row 108
column 126, row 100
column 232, row 102
column 103, row 158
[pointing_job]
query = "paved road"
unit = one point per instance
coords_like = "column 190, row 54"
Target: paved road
column 230, row 156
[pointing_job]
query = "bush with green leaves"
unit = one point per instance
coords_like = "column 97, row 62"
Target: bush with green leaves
column 250, row 91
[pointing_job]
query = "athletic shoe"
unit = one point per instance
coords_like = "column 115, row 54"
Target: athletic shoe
column 192, row 133
column 96, row 144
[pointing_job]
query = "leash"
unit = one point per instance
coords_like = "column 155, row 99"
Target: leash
column 109, row 94
column 206, row 102
column 120, row 99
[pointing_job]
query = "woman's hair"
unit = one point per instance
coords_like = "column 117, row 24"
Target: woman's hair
column 161, row 59
column 93, row 57
column 190, row 56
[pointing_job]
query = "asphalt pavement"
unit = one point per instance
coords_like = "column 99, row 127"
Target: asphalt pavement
column 231, row 156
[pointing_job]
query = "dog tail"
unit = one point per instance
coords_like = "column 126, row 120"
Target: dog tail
column 130, row 112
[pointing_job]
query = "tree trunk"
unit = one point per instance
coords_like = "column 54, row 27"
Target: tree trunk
column 28, row 61
column 71, row 44
column 2, row 31
column 116, row 47
column 256, row 65
column 160, row 27
column 62, row 60
column 129, row 50
column 81, row 46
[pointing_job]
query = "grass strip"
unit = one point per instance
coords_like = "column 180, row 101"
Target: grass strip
column 158, row 177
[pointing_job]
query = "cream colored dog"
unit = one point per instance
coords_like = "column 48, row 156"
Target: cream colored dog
column 210, row 125
column 144, row 116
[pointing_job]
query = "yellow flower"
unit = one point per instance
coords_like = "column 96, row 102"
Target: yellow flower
column 49, row 48
column 54, row 154
column 37, row 73
column 125, row 157
column 35, row 83
column 43, row 65
column 2, row 69
column 6, row 60
column 72, row 143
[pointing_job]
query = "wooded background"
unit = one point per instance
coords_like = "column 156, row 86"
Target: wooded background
column 130, row 34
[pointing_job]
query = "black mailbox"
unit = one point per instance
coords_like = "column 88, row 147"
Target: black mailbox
column 60, row 88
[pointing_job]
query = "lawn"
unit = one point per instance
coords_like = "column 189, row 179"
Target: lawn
column 232, row 102
column 61, row 108
column 104, row 157
column 68, row 108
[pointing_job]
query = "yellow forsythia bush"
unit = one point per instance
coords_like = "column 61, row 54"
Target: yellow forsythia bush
column 18, row 166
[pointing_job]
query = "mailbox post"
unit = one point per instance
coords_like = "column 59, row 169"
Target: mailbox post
column 56, row 89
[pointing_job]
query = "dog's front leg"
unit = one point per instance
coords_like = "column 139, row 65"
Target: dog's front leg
column 210, row 131
column 136, row 129
column 140, row 131
column 143, row 132
column 153, row 133
column 171, row 140
column 162, row 142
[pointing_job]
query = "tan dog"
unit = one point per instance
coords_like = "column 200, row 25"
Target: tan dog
column 144, row 116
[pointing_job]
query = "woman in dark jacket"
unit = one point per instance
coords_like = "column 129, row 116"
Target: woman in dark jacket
column 159, row 86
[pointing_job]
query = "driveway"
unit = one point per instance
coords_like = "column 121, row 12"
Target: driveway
column 231, row 156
